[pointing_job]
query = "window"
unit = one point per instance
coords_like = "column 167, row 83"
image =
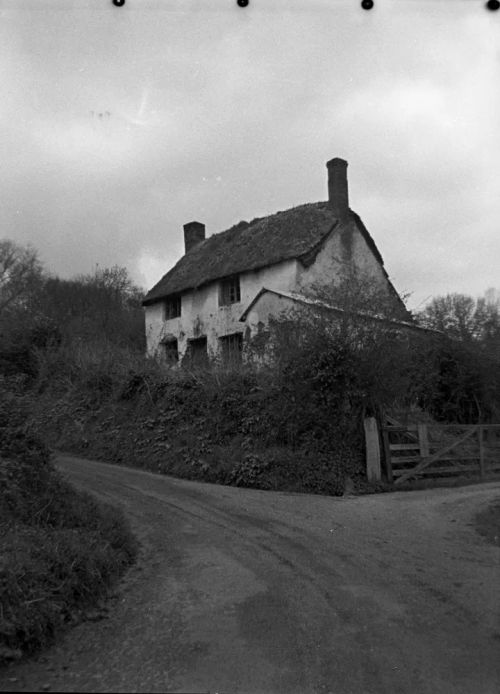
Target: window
column 231, row 348
column 197, row 354
column 171, row 351
column 229, row 291
column 172, row 307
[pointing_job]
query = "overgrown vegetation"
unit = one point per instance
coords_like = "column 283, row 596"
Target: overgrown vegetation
column 467, row 359
column 73, row 376
column 60, row 550
column 291, row 418
column 233, row 427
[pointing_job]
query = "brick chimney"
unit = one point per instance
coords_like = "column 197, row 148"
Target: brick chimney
column 194, row 233
column 338, row 195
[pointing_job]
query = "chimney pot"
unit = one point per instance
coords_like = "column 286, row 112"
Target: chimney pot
column 338, row 195
column 194, row 233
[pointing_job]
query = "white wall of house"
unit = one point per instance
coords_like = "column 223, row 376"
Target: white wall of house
column 268, row 306
column 201, row 314
column 345, row 250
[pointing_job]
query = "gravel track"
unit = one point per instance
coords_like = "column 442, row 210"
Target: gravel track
column 252, row 592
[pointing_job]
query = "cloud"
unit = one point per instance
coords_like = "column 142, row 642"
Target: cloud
column 119, row 126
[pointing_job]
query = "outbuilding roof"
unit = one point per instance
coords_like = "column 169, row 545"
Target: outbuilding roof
column 299, row 298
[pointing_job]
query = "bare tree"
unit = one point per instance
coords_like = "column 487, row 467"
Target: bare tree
column 20, row 273
column 104, row 305
column 469, row 386
column 463, row 317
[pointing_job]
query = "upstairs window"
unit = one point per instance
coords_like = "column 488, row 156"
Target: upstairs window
column 229, row 292
column 231, row 348
column 172, row 307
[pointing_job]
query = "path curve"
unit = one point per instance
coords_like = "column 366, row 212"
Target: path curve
column 253, row 592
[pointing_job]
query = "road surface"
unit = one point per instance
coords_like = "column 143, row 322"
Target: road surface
column 251, row 592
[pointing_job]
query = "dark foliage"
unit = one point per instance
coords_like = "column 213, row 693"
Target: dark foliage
column 59, row 549
column 467, row 359
column 19, row 347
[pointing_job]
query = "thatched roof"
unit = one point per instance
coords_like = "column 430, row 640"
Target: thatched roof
column 296, row 233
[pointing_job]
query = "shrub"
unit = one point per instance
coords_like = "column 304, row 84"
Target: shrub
column 59, row 548
column 19, row 347
column 46, row 575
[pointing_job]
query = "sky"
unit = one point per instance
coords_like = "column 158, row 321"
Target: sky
column 120, row 124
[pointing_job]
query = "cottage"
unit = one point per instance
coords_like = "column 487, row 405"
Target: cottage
column 226, row 287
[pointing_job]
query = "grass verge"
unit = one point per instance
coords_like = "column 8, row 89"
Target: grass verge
column 60, row 550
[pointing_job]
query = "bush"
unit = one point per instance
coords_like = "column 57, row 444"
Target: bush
column 19, row 347
column 282, row 469
column 47, row 575
column 214, row 425
column 59, row 548
column 277, row 428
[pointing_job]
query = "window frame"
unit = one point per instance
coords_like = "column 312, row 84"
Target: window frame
column 231, row 348
column 229, row 291
column 172, row 307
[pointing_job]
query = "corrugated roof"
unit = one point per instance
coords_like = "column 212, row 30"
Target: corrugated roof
column 295, row 233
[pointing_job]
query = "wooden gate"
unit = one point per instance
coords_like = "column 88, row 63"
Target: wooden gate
column 440, row 450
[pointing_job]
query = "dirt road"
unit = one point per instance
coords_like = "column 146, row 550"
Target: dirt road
column 243, row 591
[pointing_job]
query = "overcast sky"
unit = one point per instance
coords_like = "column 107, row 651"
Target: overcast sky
column 118, row 125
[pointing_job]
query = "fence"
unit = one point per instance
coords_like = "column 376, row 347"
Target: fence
column 440, row 450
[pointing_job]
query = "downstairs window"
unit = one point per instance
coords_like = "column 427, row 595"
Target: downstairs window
column 231, row 348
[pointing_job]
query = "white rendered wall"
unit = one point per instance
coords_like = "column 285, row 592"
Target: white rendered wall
column 201, row 314
column 269, row 306
column 345, row 250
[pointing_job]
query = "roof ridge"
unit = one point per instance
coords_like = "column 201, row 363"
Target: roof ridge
column 243, row 224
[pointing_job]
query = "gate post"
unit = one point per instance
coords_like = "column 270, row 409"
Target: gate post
column 423, row 440
column 481, row 450
column 372, row 443
column 387, row 455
